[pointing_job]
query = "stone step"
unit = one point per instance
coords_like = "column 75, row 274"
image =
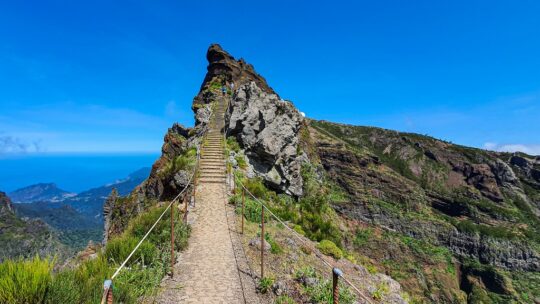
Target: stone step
column 213, row 171
column 212, row 181
column 212, row 162
column 213, row 175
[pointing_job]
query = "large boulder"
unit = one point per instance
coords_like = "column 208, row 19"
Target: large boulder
column 267, row 128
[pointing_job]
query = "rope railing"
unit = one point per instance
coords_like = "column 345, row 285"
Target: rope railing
column 304, row 242
column 107, row 285
column 336, row 272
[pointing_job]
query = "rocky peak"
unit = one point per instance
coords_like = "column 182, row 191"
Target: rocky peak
column 222, row 64
column 267, row 128
column 5, row 203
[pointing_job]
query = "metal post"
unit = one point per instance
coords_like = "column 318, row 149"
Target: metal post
column 336, row 273
column 172, row 240
column 107, row 293
column 262, row 241
column 243, row 204
column 185, row 208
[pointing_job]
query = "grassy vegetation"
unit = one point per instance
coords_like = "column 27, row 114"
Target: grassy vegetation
column 186, row 161
column 35, row 282
column 265, row 284
column 25, row 281
column 311, row 214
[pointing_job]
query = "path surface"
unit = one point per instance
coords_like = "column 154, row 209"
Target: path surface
column 208, row 271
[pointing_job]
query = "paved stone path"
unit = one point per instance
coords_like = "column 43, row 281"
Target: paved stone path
column 208, row 271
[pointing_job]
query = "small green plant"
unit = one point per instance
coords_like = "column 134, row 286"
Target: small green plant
column 284, row 300
column 265, row 284
column 232, row 144
column 329, row 248
column 305, row 272
column 241, row 161
column 322, row 293
column 275, row 248
column 299, row 229
column 362, row 236
column 381, row 291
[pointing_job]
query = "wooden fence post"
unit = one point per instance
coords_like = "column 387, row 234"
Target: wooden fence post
column 262, row 241
column 172, row 239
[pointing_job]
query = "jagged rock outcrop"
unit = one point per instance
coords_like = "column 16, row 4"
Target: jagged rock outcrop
column 239, row 72
column 267, row 129
column 5, row 203
column 107, row 213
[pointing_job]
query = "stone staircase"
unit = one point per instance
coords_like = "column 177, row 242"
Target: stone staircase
column 212, row 164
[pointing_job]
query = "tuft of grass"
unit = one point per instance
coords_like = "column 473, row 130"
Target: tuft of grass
column 380, row 292
column 330, row 248
column 265, row 284
column 118, row 249
column 232, row 144
column 25, row 281
column 284, row 300
column 64, row 288
column 322, row 293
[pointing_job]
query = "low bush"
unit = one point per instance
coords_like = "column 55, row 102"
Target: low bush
column 329, row 248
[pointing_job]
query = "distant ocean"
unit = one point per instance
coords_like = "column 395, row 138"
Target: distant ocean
column 70, row 172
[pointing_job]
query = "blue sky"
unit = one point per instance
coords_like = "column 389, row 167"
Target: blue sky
column 98, row 76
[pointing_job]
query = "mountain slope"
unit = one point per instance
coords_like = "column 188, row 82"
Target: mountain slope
column 481, row 205
column 79, row 218
column 26, row 238
column 40, row 192
column 451, row 224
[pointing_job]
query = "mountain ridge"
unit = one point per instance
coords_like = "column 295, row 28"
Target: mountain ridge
column 422, row 210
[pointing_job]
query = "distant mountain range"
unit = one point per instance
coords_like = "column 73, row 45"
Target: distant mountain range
column 40, row 192
column 79, row 216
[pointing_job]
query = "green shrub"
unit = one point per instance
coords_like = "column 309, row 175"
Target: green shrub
column 24, row 281
column 252, row 211
column 265, row 284
column 329, row 248
column 299, row 229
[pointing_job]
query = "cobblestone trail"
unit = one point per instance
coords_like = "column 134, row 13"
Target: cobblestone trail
column 208, row 271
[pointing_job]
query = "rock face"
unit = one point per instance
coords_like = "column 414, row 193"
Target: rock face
column 239, row 72
column 267, row 129
column 474, row 187
column 5, row 203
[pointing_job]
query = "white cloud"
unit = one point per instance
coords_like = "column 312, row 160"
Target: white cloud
column 533, row 149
